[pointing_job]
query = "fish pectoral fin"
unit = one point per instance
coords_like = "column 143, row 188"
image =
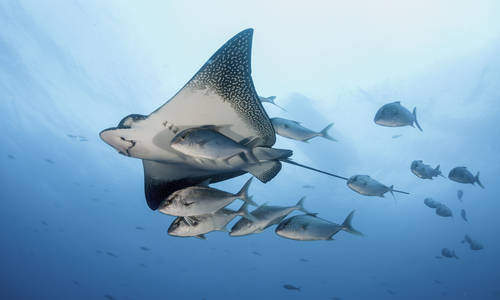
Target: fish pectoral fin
column 251, row 142
column 187, row 204
column 191, row 221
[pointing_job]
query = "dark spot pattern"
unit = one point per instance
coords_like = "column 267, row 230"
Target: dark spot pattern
column 228, row 74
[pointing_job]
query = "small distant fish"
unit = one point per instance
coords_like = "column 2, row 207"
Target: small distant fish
column 139, row 227
column 291, row 287
column 444, row 211
column 145, row 248
column 462, row 175
column 391, row 292
column 295, row 131
column 201, row 200
column 395, row 115
column 11, row 156
column 76, row 282
column 365, row 185
column 256, row 253
column 311, row 228
column 50, row 161
column 474, row 245
column 397, row 136
column 448, row 253
column 83, row 139
column 44, row 223
column 437, row 281
column 109, row 297
column 143, row 265
column 424, row 171
column 71, row 136
column 303, row 260
column 432, row 203
column 464, row 216
column 270, row 99
column 308, row 186
column 111, row 254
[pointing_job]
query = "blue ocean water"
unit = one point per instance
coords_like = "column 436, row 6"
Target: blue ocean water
column 74, row 221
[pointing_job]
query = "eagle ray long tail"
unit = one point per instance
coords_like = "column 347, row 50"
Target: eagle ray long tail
column 313, row 169
column 396, row 191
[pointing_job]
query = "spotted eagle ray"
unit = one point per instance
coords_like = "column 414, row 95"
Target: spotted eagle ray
column 222, row 95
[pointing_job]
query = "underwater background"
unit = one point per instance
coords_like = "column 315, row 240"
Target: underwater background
column 74, row 223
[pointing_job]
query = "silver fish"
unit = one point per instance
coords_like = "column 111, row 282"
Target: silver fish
column 464, row 215
column 397, row 136
column 206, row 142
column 395, row 115
column 432, row 203
column 265, row 216
column 365, row 185
column 462, row 175
column 448, row 253
column 197, row 226
column 200, row 200
column 295, row 131
column 444, row 211
column 474, row 245
column 311, row 228
column 270, row 99
column 424, row 171
column 460, row 194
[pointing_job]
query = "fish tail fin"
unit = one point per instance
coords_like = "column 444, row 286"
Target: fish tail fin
column 300, row 205
column 271, row 98
column 415, row 118
column 266, row 154
column 391, row 189
column 243, row 211
column 324, row 133
column 438, row 171
column 243, row 193
column 347, row 224
column 476, row 179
